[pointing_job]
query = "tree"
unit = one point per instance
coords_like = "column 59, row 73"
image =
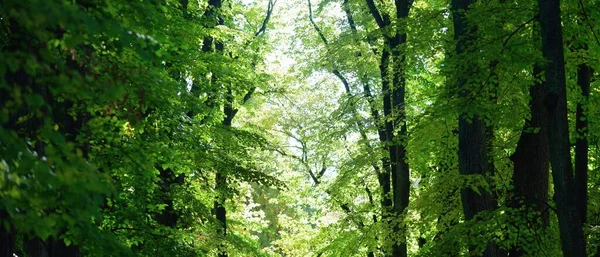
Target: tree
column 183, row 128
column 569, row 217
column 472, row 131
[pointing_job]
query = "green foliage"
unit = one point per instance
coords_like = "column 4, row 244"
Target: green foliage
column 95, row 106
column 113, row 127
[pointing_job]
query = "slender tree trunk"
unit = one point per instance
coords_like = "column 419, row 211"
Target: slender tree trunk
column 220, row 178
column 384, row 176
column 584, row 76
column 395, row 114
column 169, row 217
column 7, row 237
column 569, row 218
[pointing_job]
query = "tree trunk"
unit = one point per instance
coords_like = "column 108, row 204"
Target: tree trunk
column 400, row 168
column 168, row 217
column 472, row 140
column 60, row 249
column 388, row 163
column 36, row 248
column 584, row 76
column 7, row 238
column 569, row 218
column 395, row 114
column 219, row 210
column 531, row 159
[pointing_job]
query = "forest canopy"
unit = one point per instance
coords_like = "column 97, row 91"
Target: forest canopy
column 299, row 128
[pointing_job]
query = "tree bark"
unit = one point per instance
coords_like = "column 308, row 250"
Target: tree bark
column 387, row 203
column 400, row 168
column 584, row 76
column 394, row 111
column 7, row 238
column 531, row 159
column 36, row 248
column 472, row 139
column 569, row 218
column 220, row 179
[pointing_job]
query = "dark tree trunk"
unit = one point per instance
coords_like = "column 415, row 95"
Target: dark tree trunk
column 384, row 177
column 221, row 185
column 473, row 159
column 531, row 159
column 168, row 178
column 395, row 114
column 569, row 218
column 60, row 249
column 472, row 140
column 584, row 76
column 7, row 238
column 36, row 248
column 219, row 208
column 169, row 216
column 49, row 248
column 400, row 168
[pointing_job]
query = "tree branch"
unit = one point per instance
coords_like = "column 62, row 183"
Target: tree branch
column 349, row 16
column 310, row 17
column 322, row 171
column 341, row 77
column 248, row 95
column 588, row 22
column 382, row 21
column 335, row 71
column 263, row 27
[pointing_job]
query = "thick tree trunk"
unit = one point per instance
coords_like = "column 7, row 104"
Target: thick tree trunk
column 531, row 159
column 569, row 218
column 36, row 248
column 473, row 159
column 472, row 141
column 59, row 249
column 399, row 168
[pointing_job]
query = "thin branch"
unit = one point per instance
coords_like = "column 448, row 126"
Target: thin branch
column 344, row 81
column 310, row 17
column 335, row 71
column 370, row 195
column 313, row 177
column 589, row 22
column 302, row 161
column 349, row 16
column 494, row 64
column 265, row 22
